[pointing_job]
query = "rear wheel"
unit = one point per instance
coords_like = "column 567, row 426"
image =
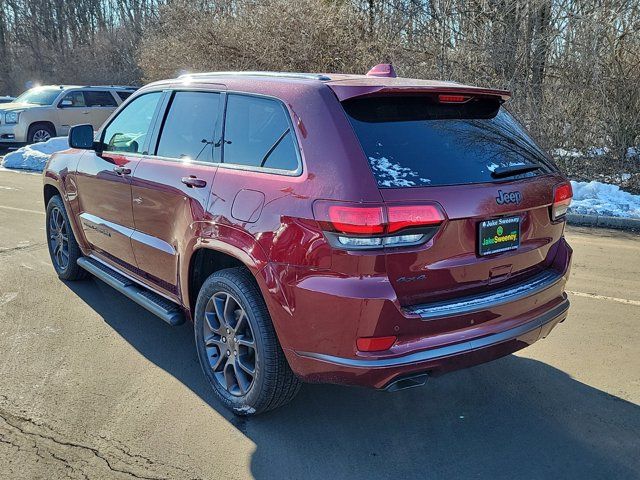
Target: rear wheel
column 237, row 345
column 63, row 248
column 40, row 132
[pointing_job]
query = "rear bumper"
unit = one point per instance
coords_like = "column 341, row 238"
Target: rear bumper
column 329, row 314
column 380, row 372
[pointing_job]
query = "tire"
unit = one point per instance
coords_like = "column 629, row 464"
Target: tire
column 59, row 233
column 40, row 132
column 273, row 384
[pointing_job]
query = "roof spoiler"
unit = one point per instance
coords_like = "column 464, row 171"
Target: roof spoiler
column 346, row 92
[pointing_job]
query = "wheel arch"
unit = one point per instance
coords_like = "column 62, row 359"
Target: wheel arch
column 204, row 262
column 54, row 185
column 43, row 122
column 50, row 191
column 223, row 255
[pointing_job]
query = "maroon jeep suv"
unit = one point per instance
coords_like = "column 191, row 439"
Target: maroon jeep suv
column 352, row 229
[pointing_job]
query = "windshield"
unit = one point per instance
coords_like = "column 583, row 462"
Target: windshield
column 39, row 96
column 416, row 141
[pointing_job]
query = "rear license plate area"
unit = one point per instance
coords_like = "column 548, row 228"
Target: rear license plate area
column 498, row 235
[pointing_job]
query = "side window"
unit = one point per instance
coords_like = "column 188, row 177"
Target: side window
column 129, row 130
column 76, row 99
column 99, row 99
column 123, row 95
column 189, row 128
column 258, row 133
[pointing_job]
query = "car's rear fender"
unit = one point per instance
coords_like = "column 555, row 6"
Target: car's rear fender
column 243, row 247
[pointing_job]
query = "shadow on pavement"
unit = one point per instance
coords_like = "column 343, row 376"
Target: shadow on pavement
column 514, row 418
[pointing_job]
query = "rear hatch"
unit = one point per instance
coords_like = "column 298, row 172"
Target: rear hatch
column 466, row 155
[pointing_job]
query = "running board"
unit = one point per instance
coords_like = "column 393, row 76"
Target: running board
column 167, row 310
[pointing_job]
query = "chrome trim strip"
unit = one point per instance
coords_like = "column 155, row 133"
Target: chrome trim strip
column 143, row 238
column 153, row 242
column 100, row 222
column 483, row 301
column 449, row 350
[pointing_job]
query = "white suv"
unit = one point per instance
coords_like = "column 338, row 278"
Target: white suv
column 44, row 112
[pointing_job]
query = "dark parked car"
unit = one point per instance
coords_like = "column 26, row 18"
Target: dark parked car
column 352, row 229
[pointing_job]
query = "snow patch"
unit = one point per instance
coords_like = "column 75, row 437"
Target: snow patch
column 390, row 174
column 597, row 151
column 561, row 152
column 593, row 152
column 596, row 198
column 34, row 157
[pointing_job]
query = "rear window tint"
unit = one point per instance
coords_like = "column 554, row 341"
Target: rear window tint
column 415, row 141
column 258, row 134
column 99, row 99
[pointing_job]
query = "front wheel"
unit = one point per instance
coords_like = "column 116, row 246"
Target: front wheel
column 63, row 248
column 40, row 132
column 237, row 345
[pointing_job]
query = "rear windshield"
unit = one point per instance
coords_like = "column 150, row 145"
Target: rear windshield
column 415, row 141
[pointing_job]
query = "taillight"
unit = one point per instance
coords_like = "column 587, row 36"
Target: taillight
column 446, row 98
column 358, row 220
column 562, row 195
column 401, row 216
column 375, row 344
column 361, row 226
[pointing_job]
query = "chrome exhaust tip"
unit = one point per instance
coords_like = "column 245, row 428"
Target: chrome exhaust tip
column 407, row 382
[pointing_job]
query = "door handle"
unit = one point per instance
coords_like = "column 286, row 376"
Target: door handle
column 86, row 112
column 193, row 182
column 122, row 170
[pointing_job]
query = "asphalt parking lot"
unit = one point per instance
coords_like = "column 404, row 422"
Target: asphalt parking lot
column 92, row 386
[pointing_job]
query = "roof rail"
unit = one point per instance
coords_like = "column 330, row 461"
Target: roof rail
column 126, row 87
column 307, row 76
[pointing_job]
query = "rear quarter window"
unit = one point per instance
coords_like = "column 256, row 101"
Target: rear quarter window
column 415, row 141
column 258, row 134
column 123, row 95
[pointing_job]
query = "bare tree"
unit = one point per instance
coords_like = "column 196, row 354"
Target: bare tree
column 571, row 64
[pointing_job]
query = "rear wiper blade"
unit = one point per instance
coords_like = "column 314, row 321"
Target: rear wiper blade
column 501, row 172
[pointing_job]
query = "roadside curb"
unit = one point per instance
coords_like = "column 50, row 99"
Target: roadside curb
column 603, row 221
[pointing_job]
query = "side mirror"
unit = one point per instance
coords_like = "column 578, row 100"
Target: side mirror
column 81, row 136
column 66, row 103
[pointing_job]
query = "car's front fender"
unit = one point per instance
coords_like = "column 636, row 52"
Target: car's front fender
column 59, row 173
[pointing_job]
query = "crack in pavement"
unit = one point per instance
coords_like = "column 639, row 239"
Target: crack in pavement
column 21, row 248
column 78, row 460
